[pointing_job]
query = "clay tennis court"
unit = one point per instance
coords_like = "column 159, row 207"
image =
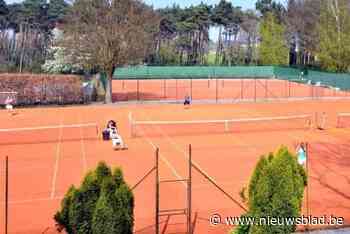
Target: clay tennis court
column 44, row 163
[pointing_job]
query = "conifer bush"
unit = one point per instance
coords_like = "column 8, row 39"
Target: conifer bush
column 275, row 190
column 102, row 204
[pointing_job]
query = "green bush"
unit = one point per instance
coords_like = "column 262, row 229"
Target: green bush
column 102, row 204
column 275, row 190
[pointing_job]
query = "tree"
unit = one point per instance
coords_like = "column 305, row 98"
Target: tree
column 250, row 23
column 334, row 28
column 276, row 190
column 3, row 14
column 102, row 204
column 272, row 49
column 57, row 10
column 270, row 6
column 302, row 18
column 104, row 34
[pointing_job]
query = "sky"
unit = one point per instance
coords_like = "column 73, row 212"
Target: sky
column 213, row 32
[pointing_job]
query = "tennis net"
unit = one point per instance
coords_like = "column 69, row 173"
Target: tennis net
column 48, row 134
column 343, row 120
column 198, row 127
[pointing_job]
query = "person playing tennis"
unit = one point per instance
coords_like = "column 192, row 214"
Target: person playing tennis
column 9, row 105
column 187, row 101
column 301, row 153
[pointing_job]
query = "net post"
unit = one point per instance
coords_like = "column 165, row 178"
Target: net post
column 6, row 193
column 226, row 126
column 131, row 124
column 242, row 89
column 157, row 190
column 189, row 191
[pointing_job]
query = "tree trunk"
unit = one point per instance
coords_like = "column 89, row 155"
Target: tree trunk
column 108, row 96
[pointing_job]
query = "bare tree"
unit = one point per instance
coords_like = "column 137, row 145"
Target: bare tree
column 104, row 34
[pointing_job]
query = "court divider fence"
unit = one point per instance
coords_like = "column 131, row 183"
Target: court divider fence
column 227, row 84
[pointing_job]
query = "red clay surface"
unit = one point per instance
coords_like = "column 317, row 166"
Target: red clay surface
column 218, row 89
column 40, row 172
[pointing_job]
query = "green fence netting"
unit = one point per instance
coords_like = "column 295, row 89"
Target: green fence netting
column 144, row 72
column 333, row 80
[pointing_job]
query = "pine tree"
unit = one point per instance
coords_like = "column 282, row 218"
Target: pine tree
column 272, row 49
column 276, row 190
column 102, row 204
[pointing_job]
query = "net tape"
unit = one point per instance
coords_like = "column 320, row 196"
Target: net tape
column 226, row 123
column 48, row 134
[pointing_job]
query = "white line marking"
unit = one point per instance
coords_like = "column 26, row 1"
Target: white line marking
column 83, row 150
column 58, row 152
column 48, row 127
column 165, row 160
column 33, row 200
column 240, row 120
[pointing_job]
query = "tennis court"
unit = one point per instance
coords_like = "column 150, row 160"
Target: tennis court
column 226, row 140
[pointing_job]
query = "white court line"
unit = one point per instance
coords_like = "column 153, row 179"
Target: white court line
column 165, row 160
column 33, row 200
column 58, row 152
column 83, row 152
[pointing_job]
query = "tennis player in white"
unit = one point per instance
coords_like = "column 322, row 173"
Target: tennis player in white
column 9, row 105
column 117, row 141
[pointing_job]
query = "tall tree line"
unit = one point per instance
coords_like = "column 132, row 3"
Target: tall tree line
column 313, row 33
column 25, row 32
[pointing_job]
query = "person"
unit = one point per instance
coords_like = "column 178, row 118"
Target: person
column 187, row 101
column 117, row 141
column 9, row 105
column 111, row 124
column 301, row 153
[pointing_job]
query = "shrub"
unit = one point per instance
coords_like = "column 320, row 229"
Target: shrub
column 102, row 204
column 275, row 190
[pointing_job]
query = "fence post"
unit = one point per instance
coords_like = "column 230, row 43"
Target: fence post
column 6, row 194
column 191, row 89
column 157, row 191
column 289, row 84
column 189, row 191
column 308, row 183
column 216, row 90
column 241, row 89
column 255, row 89
column 137, row 90
column 176, row 89
column 164, row 88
